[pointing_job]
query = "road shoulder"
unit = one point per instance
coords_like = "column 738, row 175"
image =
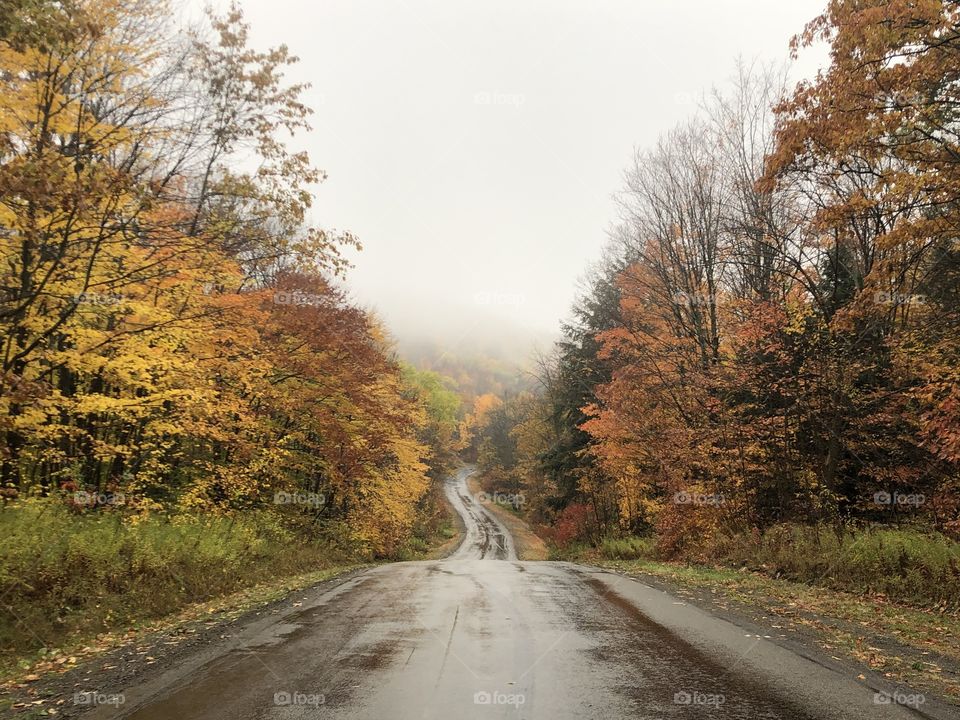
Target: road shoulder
column 854, row 650
column 115, row 661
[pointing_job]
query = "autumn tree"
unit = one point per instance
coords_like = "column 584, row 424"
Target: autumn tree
column 873, row 143
column 171, row 326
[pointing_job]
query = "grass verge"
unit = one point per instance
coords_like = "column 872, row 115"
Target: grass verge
column 29, row 669
column 73, row 584
column 436, row 533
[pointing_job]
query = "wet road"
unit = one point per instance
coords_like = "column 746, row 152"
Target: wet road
column 481, row 635
column 485, row 537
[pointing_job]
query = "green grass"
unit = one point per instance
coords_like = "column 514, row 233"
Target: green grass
column 65, row 576
column 920, row 568
column 432, row 530
column 425, row 540
column 628, row 548
column 906, row 565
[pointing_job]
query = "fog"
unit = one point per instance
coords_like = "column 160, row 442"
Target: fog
column 473, row 148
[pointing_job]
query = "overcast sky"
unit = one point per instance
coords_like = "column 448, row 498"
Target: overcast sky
column 473, row 146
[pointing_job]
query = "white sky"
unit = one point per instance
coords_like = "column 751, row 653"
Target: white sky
column 474, row 147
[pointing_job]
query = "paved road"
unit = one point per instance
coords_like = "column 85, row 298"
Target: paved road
column 485, row 537
column 481, row 635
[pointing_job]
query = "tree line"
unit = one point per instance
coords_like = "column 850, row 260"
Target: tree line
column 174, row 332
column 772, row 335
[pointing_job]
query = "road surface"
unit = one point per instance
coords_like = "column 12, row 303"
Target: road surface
column 485, row 537
column 482, row 635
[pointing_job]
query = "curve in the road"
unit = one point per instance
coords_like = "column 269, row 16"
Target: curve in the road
column 484, row 537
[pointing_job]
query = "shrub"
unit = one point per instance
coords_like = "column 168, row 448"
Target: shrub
column 916, row 566
column 65, row 576
column 627, row 548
